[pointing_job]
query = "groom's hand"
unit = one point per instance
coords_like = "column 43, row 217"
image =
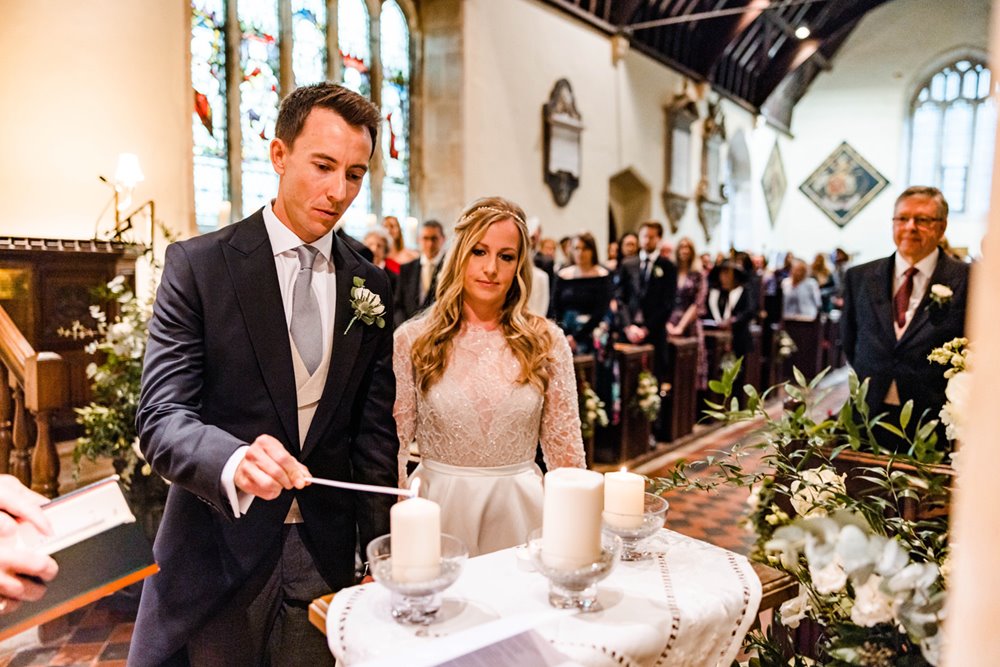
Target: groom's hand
column 268, row 469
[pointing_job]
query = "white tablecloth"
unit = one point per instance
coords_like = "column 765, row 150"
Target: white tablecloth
column 689, row 605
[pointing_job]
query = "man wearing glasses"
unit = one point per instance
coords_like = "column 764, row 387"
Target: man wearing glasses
column 891, row 322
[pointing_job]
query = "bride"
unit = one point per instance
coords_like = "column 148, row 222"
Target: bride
column 480, row 381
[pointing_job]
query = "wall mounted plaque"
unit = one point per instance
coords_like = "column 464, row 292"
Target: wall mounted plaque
column 681, row 114
column 710, row 197
column 563, row 128
column 843, row 184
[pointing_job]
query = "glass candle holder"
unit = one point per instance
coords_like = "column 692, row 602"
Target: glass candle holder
column 575, row 588
column 633, row 529
column 416, row 602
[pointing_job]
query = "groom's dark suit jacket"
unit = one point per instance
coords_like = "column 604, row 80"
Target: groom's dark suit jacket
column 870, row 339
column 648, row 303
column 218, row 373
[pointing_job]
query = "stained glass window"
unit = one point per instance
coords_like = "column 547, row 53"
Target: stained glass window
column 953, row 118
column 259, row 62
column 309, row 41
column 354, row 38
column 395, row 45
column 265, row 42
column 208, row 81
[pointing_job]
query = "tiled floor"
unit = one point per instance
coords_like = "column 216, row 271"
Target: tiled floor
column 100, row 633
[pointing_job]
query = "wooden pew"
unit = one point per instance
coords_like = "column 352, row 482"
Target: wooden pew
column 585, row 368
column 718, row 343
column 630, row 437
column 681, row 409
column 808, row 337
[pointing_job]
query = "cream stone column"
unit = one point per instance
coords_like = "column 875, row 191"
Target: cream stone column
column 974, row 603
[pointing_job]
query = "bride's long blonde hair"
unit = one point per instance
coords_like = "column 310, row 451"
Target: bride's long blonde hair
column 526, row 334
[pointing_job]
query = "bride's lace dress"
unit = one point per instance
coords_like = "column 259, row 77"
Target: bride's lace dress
column 477, row 429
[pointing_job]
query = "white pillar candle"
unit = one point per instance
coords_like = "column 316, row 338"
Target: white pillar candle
column 571, row 518
column 415, row 540
column 623, row 499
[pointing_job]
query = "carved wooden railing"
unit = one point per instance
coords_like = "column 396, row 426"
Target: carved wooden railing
column 33, row 385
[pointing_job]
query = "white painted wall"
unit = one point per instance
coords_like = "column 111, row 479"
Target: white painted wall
column 83, row 82
column 865, row 100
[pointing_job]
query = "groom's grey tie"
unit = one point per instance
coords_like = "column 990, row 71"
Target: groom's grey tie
column 307, row 328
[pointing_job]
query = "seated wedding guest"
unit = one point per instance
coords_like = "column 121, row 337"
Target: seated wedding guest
column 418, row 279
column 689, row 303
column 706, row 263
column 730, row 307
column 820, row 271
column 566, row 248
column 547, row 247
column 612, row 262
column 481, row 381
column 800, row 293
column 377, row 242
column 23, row 571
column 399, row 254
column 841, row 262
column 581, row 295
column 628, row 246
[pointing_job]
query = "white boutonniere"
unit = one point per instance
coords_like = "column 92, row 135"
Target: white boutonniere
column 941, row 294
column 367, row 305
column 657, row 271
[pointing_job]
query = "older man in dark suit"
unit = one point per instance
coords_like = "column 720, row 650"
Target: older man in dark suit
column 646, row 285
column 418, row 279
column 897, row 309
column 254, row 381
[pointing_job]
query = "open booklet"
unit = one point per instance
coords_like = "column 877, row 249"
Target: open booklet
column 506, row 641
column 99, row 546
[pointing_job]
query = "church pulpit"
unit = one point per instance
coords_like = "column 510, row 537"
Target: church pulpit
column 681, row 409
column 630, row 437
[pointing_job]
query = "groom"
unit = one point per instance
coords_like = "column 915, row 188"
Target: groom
column 251, row 385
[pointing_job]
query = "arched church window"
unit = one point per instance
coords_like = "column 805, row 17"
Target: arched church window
column 247, row 54
column 952, row 126
column 395, row 46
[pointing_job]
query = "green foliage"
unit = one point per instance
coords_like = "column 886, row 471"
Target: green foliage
column 799, row 506
column 118, row 345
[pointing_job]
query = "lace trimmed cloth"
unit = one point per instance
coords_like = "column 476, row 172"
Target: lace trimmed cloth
column 477, row 415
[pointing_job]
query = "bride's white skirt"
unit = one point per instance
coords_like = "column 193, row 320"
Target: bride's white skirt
column 487, row 508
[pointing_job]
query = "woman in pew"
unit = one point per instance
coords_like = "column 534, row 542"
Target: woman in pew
column 689, row 303
column 480, row 381
column 582, row 295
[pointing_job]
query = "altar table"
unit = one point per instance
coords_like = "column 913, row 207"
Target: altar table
column 690, row 604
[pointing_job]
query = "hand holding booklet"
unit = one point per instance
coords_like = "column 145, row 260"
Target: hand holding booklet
column 98, row 545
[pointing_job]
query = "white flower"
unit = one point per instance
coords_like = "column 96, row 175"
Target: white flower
column 753, row 501
column 814, row 488
column 794, row 610
column 958, row 393
column 871, row 605
column 658, row 272
column 367, row 305
column 830, row 579
column 116, row 283
column 931, row 648
column 941, row 291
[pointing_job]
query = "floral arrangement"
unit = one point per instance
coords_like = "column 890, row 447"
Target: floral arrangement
column 955, row 355
column 592, row 412
column 120, row 343
column 869, row 574
column 647, row 395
